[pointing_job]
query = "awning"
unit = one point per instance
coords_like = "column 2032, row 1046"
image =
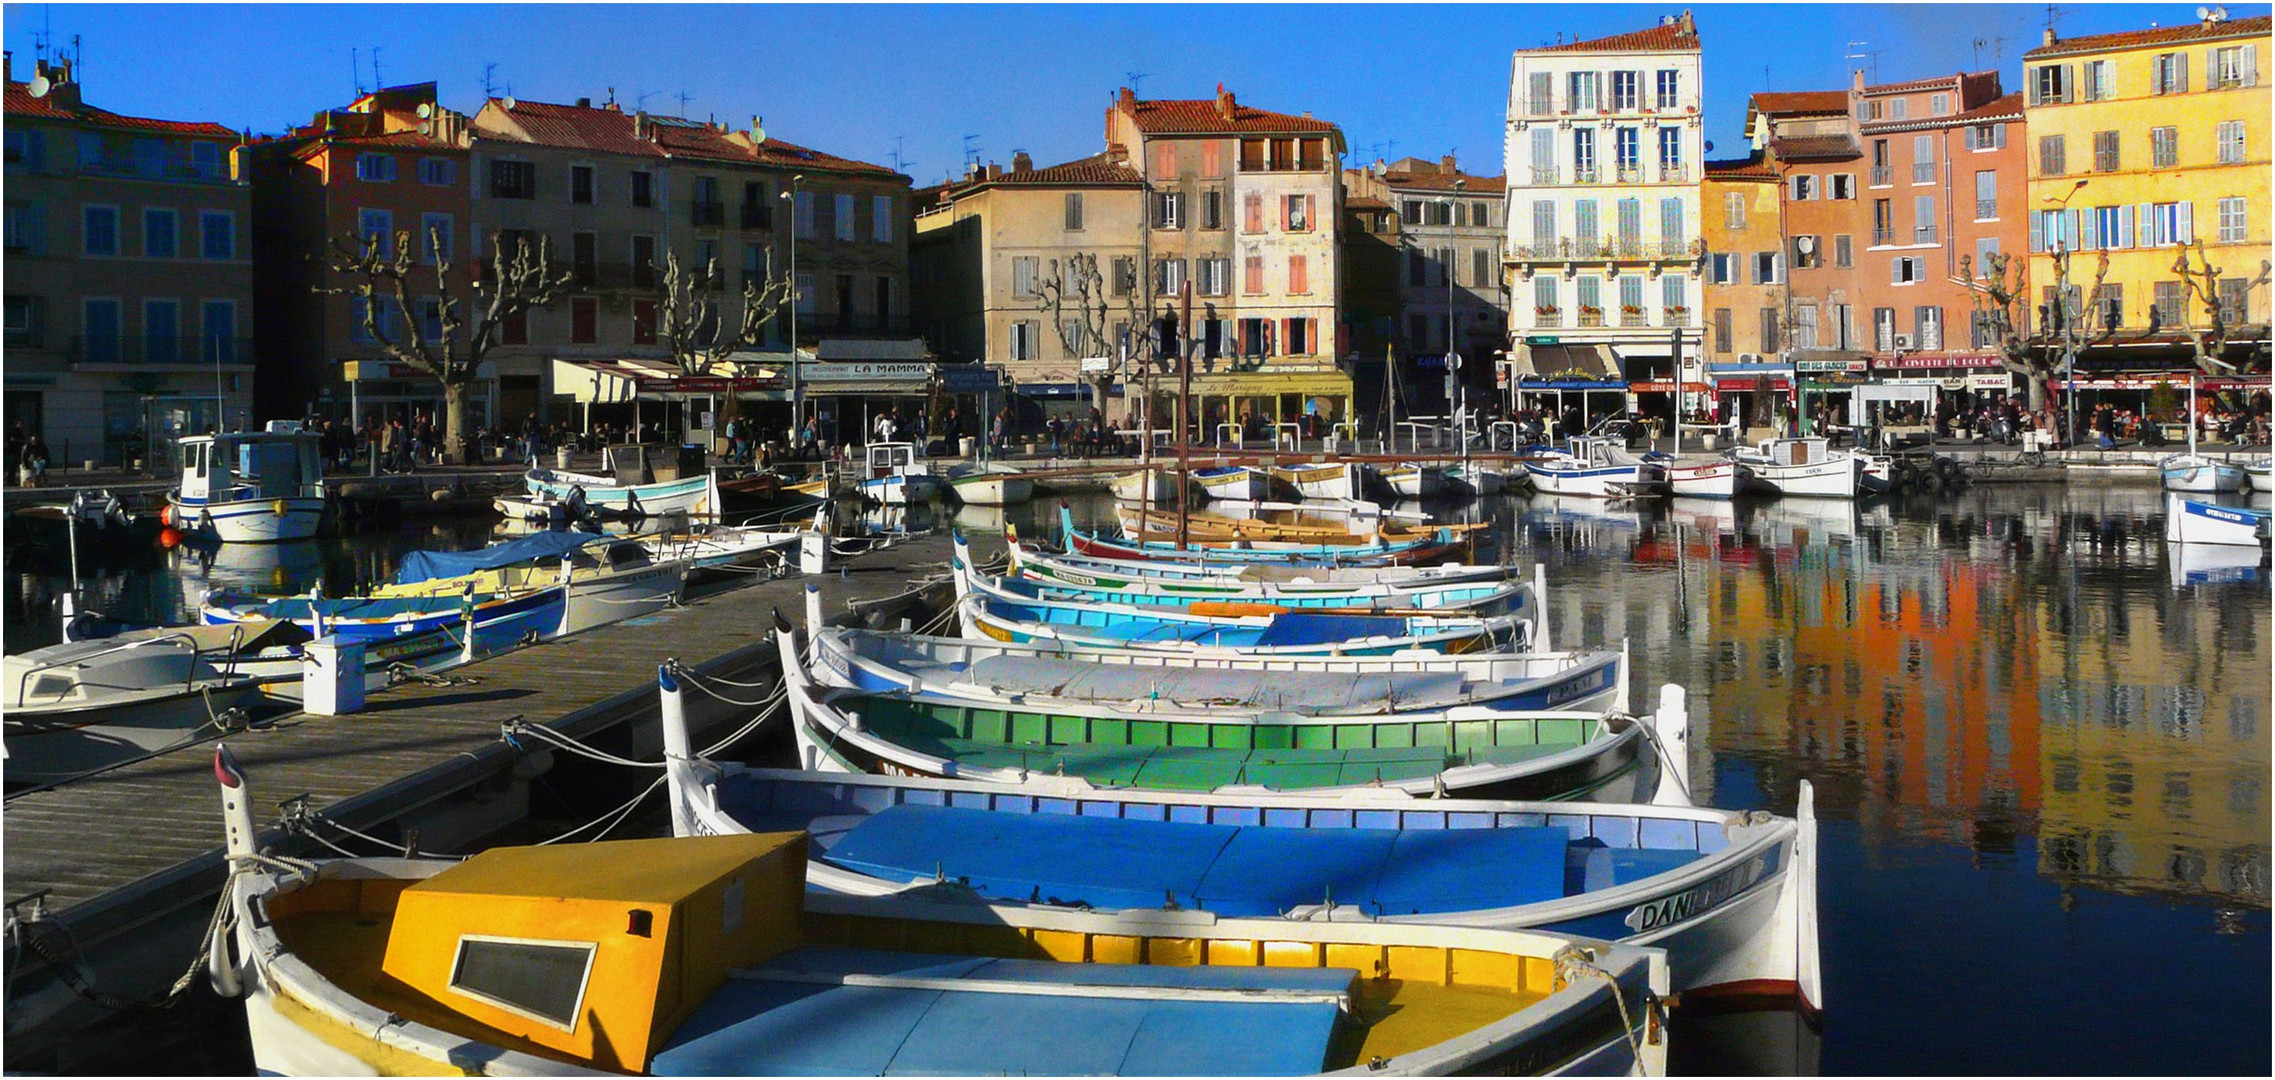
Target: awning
column 1887, row 392
column 1238, row 383
column 1665, row 386
column 1566, row 362
column 1539, row 385
column 1778, row 385
column 607, row 382
column 1937, row 360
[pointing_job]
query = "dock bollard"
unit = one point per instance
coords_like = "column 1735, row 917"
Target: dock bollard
column 331, row 677
column 813, row 553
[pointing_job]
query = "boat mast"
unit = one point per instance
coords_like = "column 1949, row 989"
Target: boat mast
column 1184, row 414
column 2192, row 418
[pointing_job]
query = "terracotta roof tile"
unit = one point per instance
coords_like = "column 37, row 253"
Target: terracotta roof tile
column 1362, row 202
column 2010, row 105
column 1752, row 168
column 1815, row 147
column 1914, row 86
column 20, row 102
column 1199, row 116
column 609, row 130
column 406, row 139
column 1801, row 102
column 1492, row 185
column 2256, row 25
column 1096, row 169
column 1665, row 38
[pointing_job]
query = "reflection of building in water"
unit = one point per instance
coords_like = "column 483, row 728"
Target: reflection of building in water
column 2157, row 747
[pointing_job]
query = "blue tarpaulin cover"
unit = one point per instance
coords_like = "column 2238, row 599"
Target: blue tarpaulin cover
column 1305, row 628
column 428, row 565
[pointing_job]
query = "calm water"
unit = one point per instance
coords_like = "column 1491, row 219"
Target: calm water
column 2040, row 744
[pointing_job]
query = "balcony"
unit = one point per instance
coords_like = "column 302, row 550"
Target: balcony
column 1550, row 318
column 1923, row 172
column 1673, row 247
column 160, row 351
column 1882, row 236
column 1673, row 172
column 1584, row 174
column 1634, row 316
column 1923, row 234
column 1881, row 176
column 757, row 216
column 1986, row 210
column 1544, row 174
column 1631, row 174
column 710, row 215
column 1675, row 316
column 1591, row 317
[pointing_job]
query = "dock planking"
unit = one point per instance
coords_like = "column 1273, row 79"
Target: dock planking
column 107, row 839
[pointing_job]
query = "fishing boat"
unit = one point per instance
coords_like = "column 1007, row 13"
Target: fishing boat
column 1475, row 479
column 1550, row 754
column 1234, row 482
column 2260, row 472
column 1293, row 526
column 250, row 487
column 1146, row 486
column 1326, row 479
column 987, row 484
column 78, row 706
column 1805, row 466
column 1597, row 467
column 711, row 955
column 1201, row 574
column 1414, row 481
column 1710, row 478
column 1441, row 544
column 1730, row 897
column 1479, row 597
column 637, row 483
column 2193, row 521
column 891, row 475
column 2193, row 473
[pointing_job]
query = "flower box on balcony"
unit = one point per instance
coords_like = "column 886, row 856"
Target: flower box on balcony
column 1585, row 310
column 1630, row 309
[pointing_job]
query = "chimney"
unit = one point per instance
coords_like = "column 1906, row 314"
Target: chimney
column 1689, row 25
column 994, row 171
column 1224, row 102
column 2049, row 36
column 640, row 124
column 1020, row 162
column 1856, row 80
column 1445, row 164
column 584, row 103
column 1128, row 98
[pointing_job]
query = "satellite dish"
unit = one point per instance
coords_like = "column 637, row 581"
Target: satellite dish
column 1807, row 244
column 40, row 86
column 508, row 101
column 426, row 127
column 757, row 134
column 1709, row 146
column 2203, row 13
column 426, row 109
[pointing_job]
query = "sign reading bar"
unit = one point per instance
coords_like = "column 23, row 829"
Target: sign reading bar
column 1097, row 365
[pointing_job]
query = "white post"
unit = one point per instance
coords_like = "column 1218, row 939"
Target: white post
column 1542, row 642
column 814, row 621
column 677, row 754
column 1672, row 722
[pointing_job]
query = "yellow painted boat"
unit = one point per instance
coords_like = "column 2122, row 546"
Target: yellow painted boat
column 1162, row 524
column 706, row 956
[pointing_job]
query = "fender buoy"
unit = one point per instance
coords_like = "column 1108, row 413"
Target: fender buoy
column 279, row 507
column 221, row 966
column 169, row 538
column 166, row 514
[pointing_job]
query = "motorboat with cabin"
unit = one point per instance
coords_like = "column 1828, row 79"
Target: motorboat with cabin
column 1597, row 466
column 250, row 487
column 1807, row 466
column 79, row 706
column 892, row 475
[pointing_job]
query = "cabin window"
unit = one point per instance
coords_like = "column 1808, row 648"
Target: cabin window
column 542, row 980
column 50, row 686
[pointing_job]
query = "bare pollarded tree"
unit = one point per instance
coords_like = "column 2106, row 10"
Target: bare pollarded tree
column 2000, row 295
column 689, row 322
column 2223, row 315
column 465, row 326
column 1075, row 296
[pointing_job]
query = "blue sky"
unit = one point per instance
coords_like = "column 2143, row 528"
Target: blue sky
column 863, row 80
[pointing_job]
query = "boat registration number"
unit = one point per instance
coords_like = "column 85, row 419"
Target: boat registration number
column 1698, row 899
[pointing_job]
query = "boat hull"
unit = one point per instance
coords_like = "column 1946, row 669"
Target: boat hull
column 689, row 495
column 2201, row 476
column 1414, row 481
column 2261, row 475
column 1146, row 485
column 50, row 744
column 1591, row 482
column 1327, row 481
column 994, row 490
column 2189, row 521
column 1243, row 484
column 1835, row 479
column 620, row 595
column 249, row 521
column 1711, row 480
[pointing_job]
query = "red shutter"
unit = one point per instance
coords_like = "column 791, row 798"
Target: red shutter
column 1299, row 277
column 1310, row 212
column 1311, row 335
column 1283, row 201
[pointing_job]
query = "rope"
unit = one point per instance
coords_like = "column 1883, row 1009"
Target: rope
column 401, row 672
column 512, row 730
column 771, row 697
column 779, row 701
column 1651, row 735
column 620, row 813
column 1574, row 963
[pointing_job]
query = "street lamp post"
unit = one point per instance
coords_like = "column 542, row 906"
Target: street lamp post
column 1453, row 374
column 797, row 410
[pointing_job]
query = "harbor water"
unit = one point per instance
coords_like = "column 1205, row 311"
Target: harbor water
column 2039, row 739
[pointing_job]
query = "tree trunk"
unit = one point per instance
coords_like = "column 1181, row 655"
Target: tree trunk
column 2037, row 385
column 454, row 423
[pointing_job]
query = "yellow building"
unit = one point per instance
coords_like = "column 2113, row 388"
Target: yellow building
column 2144, row 142
column 1739, row 218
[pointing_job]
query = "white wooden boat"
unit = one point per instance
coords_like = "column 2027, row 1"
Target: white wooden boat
column 1473, row 478
column 1730, row 897
column 891, row 475
column 2261, row 473
column 1806, row 466
column 2214, row 564
column 1157, row 486
column 1709, row 478
column 250, row 487
column 987, row 484
column 1595, row 467
column 1346, row 480
column 79, row 706
column 2195, row 474
column 1412, row 481
column 1484, row 597
column 553, row 960
column 1201, row 573
column 2193, row 521
column 1235, row 482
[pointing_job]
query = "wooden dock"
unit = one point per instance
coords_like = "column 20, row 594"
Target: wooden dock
column 129, row 847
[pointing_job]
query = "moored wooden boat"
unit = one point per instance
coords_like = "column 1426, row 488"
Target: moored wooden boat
column 260, row 487
column 1234, row 482
column 985, row 484
column 1808, row 467
column 709, row 955
column 1153, row 485
column 1723, row 894
column 1413, row 481
column 1326, row 479
column 78, row 706
column 1481, row 597
column 1200, row 572
column 1595, row 467
column 1377, row 553
column 2193, row 521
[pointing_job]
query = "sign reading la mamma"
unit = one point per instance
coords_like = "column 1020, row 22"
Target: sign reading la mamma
column 848, row 370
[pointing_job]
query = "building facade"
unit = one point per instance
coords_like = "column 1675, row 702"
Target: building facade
column 985, row 247
column 393, row 161
column 1373, row 259
column 614, row 194
column 1604, row 147
column 1450, row 292
column 1744, row 326
column 1245, row 205
column 2142, row 144
column 129, row 275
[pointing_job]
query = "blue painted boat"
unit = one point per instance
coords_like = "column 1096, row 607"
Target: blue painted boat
column 1474, row 597
column 433, row 591
column 1596, row 466
column 2195, row 521
column 1398, row 552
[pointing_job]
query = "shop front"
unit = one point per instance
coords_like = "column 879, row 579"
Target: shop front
column 1572, row 405
column 1279, row 402
column 1751, row 399
column 384, row 390
column 1826, row 392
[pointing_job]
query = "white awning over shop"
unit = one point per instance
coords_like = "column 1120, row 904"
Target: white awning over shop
column 1923, row 393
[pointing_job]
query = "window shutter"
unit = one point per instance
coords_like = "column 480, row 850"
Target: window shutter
column 2069, row 83
column 2187, row 222
column 2037, row 231
column 1310, row 212
column 2070, row 230
column 1970, row 138
column 2148, row 218
column 2091, row 236
column 2251, row 65
column 2124, row 237
column 1283, row 201
column 2180, row 73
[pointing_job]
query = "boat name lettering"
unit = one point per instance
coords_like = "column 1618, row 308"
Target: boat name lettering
column 1669, row 910
column 1558, row 695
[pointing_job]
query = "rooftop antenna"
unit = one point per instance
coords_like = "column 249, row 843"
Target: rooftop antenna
column 1134, row 77
column 46, row 36
column 641, row 103
column 489, row 80
column 355, row 68
column 684, row 98
column 901, row 164
column 2054, row 14
column 377, row 83
column 971, row 150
